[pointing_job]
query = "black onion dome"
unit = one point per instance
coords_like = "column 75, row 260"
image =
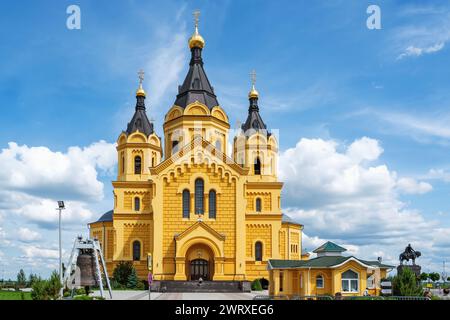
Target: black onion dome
column 196, row 86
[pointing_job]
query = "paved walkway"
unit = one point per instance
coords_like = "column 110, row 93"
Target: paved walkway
column 143, row 295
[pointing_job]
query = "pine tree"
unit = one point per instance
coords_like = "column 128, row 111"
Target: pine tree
column 405, row 284
column 21, row 278
column 132, row 279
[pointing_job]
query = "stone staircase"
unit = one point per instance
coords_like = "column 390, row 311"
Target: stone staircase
column 205, row 286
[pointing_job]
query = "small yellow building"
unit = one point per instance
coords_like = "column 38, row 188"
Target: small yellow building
column 327, row 274
column 186, row 204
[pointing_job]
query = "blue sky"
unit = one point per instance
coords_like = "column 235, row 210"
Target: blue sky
column 327, row 83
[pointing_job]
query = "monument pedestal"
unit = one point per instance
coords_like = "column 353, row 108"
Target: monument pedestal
column 414, row 268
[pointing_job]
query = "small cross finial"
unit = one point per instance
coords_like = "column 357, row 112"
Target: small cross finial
column 253, row 77
column 196, row 14
column 141, row 75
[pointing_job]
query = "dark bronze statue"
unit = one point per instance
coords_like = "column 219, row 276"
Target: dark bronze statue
column 409, row 254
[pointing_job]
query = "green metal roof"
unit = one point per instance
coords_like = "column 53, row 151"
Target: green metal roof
column 329, row 247
column 320, row 262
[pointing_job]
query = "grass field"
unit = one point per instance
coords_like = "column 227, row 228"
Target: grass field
column 14, row 295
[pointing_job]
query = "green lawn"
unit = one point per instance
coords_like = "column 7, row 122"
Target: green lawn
column 14, row 295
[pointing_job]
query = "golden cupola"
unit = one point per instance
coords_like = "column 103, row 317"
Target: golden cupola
column 196, row 40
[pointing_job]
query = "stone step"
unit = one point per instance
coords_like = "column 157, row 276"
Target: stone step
column 205, row 286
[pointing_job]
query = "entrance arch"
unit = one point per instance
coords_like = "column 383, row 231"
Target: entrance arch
column 199, row 262
column 199, row 241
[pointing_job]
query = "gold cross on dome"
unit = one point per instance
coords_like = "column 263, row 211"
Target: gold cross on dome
column 141, row 75
column 196, row 14
column 253, row 77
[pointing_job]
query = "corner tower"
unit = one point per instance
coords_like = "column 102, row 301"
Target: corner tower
column 138, row 147
column 255, row 147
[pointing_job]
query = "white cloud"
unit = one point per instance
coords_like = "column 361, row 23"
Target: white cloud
column 340, row 196
column 30, row 251
column 165, row 66
column 27, row 235
column 33, row 178
column 438, row 174
column 429, row 34
column 412, row 186
column 38, row 171
column 412, row 51
column 364, row 149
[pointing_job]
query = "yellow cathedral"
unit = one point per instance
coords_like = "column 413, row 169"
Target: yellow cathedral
column 185, row 209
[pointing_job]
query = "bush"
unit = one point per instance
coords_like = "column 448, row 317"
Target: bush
column 133, row 280
column 122, row 271
column 256, row 285
column 406, row 284
column 39, row 291
column 46, row 289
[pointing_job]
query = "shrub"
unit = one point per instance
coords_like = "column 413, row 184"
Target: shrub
column 46, row 289
column 133, row 280
column 122, row 272
column 256, row 285
column 39, row 291
column 406, row 284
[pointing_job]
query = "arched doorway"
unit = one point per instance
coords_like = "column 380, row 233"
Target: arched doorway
column 199, row 269
column 199, row 263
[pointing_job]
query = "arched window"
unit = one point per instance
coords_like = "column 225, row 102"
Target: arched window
column 212, row 204
column 123, row 163
column 319, row 282
column 258, row 251
column 257, row 167
column 186, row 203
column 258, row 205
column 350, row 281
column 137, row 204
column 136, row 250
column 174, row 147
column 137, row 165
column 218, row 145
column 199, row 192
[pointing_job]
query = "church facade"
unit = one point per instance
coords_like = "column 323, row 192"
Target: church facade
column 183, row 207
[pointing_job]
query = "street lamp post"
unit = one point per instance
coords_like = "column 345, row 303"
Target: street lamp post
column 60, row 208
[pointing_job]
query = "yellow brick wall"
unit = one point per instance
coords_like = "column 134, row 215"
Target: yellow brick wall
column 282, row 243
column 225, row 222
column 295, row 240
column 258, row 232
column 137, row 231
column 266, row 199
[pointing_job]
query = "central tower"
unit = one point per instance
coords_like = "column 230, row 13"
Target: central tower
column 196, row 111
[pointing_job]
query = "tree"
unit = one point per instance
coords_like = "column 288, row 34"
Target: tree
column 39, row 291
column 434, row 276
column 54, row 286
column 448, row 279
column 132, row 280
column 122, row 272
column 424, row 276
column 405, row 284
column 31, row 279
column 46, row 289
column 21, row 278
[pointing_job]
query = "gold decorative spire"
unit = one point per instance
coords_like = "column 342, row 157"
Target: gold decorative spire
column 253, row 93
column 140, row 91
column 196, row 41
